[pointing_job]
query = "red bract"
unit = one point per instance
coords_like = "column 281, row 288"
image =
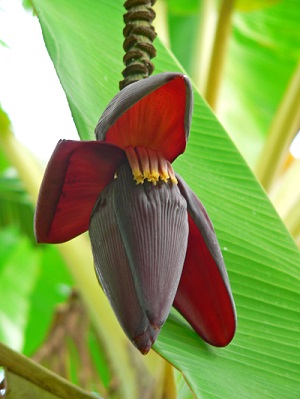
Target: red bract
column 152, row 240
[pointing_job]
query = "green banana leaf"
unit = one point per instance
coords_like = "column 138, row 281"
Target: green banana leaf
column 84, row 40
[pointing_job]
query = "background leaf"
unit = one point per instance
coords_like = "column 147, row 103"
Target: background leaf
column 183, row 23
column 15, row 204
column 53, row 286
column 18, row 275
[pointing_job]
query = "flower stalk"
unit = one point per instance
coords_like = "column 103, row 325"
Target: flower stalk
column 139, row 34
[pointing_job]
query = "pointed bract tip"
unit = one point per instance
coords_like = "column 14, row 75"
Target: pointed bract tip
column 146, row 339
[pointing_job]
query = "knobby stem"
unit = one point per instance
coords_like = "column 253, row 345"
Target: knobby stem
column 139, row 34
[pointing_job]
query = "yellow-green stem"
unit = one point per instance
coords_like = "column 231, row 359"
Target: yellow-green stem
column 161, row 22
column 217, row 62
column 282, row 131
column 286, row 198
column 204, row 42
column 292, row 219
column 28, row 168
column 287, row 190
column 40, row 376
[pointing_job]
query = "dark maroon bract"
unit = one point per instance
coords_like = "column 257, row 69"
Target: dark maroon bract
column 152, row 240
